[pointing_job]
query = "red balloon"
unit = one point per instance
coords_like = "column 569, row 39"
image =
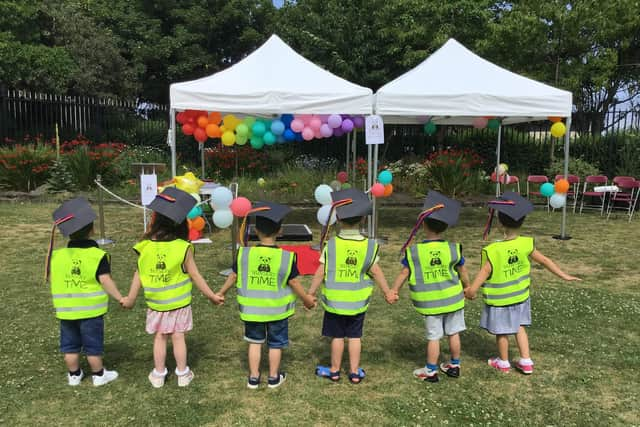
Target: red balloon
column 200, row 135
column 181, row 117
column 240, row 206
column 188, row 129
column 342, row 177
column 194, row 234
column 377, row 190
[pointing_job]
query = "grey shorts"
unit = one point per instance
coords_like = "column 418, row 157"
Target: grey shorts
column 440, row 324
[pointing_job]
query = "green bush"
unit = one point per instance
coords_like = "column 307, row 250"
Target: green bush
column 139, row 154
column 629, row 155
column 577, row 167
column 453, row 171
column 25, row 167
column 85, row 160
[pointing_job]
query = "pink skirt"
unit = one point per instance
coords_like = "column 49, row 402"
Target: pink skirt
column 168, row 322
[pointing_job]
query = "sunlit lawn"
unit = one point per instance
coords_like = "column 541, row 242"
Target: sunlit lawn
column 584, row 340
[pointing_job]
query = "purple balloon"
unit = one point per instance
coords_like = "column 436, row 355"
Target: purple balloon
column 347, row 125
column 338, row 132
column 325, row 130
column 358, row 122
column 334, row 121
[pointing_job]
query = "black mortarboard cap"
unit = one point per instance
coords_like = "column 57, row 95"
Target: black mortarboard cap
column 275, row 213
column 360, row 204
column 173, row 203
column 512, row 204
column 72, row 215
column 448, row 214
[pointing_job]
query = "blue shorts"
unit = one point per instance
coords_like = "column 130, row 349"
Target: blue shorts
column 83, row 334
column 275, row 333
column 342, row 326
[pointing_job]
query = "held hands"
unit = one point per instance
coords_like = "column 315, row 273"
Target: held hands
column 126, row 302
column 391, row 296
column 470, row 293
column 310, row 302
column 217, row 299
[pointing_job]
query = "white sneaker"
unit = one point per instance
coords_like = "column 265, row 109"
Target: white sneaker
column 74, row 380
column 105, row 378
column 185, row 380
column 157, row 381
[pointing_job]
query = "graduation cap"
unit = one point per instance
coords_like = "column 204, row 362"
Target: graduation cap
column 351, row 203
column 173, row 203
column 510, row 204
column 436, row 206
column 263, row 211
column 73, row 215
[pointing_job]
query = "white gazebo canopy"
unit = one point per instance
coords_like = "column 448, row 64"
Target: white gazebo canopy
column 454, row 85
column 274, row 79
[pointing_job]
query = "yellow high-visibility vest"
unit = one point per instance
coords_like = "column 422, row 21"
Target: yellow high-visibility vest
column 510, row 276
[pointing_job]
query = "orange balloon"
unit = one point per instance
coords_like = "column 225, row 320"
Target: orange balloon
column 388, row 189
column 215, row 118
column 561, row 186
column 554, row 119
column 213, row 131
column 196, row 223
column 203, row 121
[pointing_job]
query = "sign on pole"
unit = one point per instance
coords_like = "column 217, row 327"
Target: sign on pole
column 374, row 130
column 149, row 187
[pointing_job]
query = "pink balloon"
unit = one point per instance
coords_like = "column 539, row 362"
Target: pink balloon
column 297, row 125
column 315, row 123
column 240, row 206
column 317, row 134
column 325, row 130
column 334, row 121
column 480, row 122
column 342, row 177
column 377, row 189
column 306, row 118
column 307, row 134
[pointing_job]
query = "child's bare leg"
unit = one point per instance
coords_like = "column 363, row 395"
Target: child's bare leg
column 275, row 355
column 73, row 361
column 179, row 350
column 160, row 352
column 503, row 346
column 433, row 352
column 337, row 348
column 255, row 351
column 523, row 342
column 95, row 362
column 454, row 346
column 355, row 346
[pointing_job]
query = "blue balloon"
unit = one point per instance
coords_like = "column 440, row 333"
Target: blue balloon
column 299, row 137
column 277, row 127
column 280, row 139
column 286, row 119
column 385, row 177
column 289, row 135
column 258, row 128
column 195, row 212
column 547, row 189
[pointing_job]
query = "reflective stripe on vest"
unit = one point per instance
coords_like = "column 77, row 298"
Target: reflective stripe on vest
column 510, row 275
column 264, row 294
column 347, row 287
column 166, row 286
column 75, row 292
column 431, row 295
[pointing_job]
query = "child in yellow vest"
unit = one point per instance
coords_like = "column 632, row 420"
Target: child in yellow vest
column 80, row 281
column 267, row 282
column 166, row 270
column 437, row 275
column 346, row 263
column 505, row 277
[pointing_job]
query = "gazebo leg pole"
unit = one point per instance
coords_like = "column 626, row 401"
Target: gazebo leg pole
column 172, row 140
column 498, row 160
column 567, row 138
column 369, row 173
column 354, row 149
column 347, row 163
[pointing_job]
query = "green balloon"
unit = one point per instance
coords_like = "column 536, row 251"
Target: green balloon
column 493, row 124
column 429, row 128
column 346, row 186
column 256, row 142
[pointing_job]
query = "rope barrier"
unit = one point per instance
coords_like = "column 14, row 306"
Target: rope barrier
column 115, row 196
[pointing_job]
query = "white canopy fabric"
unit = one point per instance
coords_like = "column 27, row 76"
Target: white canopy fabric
column 274, row 79
column 454, row 85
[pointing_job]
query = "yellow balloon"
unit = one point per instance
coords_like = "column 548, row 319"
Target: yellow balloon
column 230, row 122
column 188, row 182
column 558, row 129
column 222, row 129
column 228, row 138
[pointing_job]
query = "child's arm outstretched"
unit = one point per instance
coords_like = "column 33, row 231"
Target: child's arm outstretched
column 231, row 280
column 376, row 272
column 110, row 287
column 308, row 300
column 548, row 263
column 198, row 280
column 483, row 275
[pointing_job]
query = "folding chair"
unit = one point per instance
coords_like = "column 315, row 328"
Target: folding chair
column 617, row 179
column 539, row 180
column 574, row 189
column 511, row 180
column 627, row 197
column 590, row 182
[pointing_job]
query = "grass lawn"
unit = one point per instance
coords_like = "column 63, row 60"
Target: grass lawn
column 584, row 339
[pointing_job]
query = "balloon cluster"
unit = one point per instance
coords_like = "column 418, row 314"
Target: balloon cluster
column 502, row 170
column 221, row 200
column 556, row 192
column 558, row 129
column 191, row 184
column 260, row 132
column 340, row 183
column 383, row 188
column 322, row 195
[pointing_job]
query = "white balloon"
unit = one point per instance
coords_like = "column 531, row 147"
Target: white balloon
column 221, row 198
column 323, row 194
column 222, row 218
column 323, row 215
column 557, row 200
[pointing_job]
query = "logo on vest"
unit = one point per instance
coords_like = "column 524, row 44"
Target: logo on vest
column 159, row 273
column 435, row 258
column 74, row 278
column 514, row 265
column 352, row 258
column 160, row 264
column 348, row 270
column 262, row 276
column 75, row 267
column 513, row 256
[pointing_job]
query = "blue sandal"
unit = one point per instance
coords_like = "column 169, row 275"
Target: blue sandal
column 325, row 372
column 356, row 378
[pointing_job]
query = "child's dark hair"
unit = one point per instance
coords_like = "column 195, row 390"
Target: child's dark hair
column 435, row 225
column 267, row 227
column 354, row 220
column 509, row 222
column 163, row 229
column 83, row 233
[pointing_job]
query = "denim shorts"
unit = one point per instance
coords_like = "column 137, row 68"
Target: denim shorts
column 82, row 334
column 275, row 333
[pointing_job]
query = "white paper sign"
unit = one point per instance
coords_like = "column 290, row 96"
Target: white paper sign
column 148, row 187
column 374, row 130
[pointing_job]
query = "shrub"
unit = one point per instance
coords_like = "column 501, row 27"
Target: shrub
column 307, row 161
column 578, row 167
column 25, row 167
column 629, row 155
column 60, row 178
column 410, row 176
column 453, row 170
column 221, row 161
column 85, row 160
column 138, row 154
